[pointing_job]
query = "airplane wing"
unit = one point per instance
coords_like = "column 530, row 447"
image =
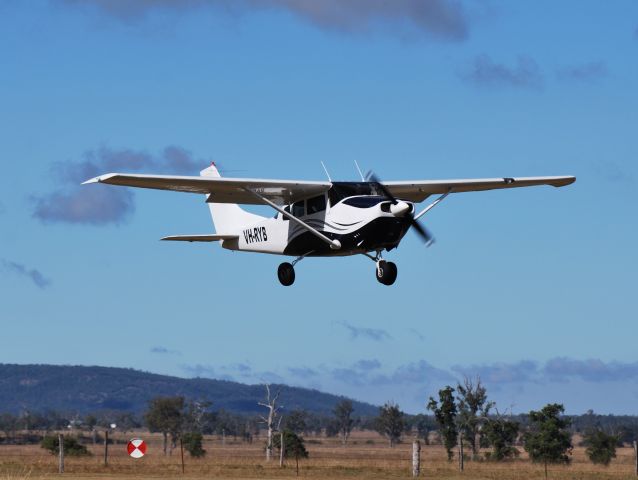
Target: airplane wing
column 417, row 191
column 221, row 190
column 200, row 238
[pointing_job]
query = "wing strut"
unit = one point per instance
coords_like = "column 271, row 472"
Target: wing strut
column 334, row 244
column 432, row 205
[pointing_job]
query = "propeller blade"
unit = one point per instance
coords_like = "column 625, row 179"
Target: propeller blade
column 374, row 179
column 423, row 232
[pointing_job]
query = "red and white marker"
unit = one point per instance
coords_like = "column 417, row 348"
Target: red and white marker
column 136, row 448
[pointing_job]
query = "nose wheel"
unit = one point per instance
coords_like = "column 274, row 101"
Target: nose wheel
column 386, row 272
column 286, row 274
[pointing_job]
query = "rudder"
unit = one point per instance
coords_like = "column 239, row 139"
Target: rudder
column 228, row 217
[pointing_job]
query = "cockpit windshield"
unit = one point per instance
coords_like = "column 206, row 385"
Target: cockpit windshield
column 364, row 202
column 341, row 190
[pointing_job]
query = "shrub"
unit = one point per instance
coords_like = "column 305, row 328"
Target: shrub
column 72, row 447
column 193, row 444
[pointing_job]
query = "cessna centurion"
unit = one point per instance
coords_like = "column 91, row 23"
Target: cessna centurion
column 317, row 219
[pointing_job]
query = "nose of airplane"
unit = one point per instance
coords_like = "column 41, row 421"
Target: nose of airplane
column 400, row 209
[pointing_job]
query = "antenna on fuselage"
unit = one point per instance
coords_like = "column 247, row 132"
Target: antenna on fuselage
column 326, row 170
column 360, row 172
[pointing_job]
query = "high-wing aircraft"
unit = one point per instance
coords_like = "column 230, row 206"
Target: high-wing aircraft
column 317, row 219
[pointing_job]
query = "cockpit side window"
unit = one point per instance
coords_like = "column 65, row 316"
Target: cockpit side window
column 287, row 209
column 316, row 204
column 298, row 209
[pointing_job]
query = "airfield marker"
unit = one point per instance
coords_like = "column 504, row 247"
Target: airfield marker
column 136, row 448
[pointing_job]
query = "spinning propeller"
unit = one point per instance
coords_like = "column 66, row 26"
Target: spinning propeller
column 423, row 232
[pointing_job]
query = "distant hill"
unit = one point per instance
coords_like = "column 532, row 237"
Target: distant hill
column 79, row 389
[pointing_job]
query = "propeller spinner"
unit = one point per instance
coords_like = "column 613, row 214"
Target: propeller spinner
column 400, row 208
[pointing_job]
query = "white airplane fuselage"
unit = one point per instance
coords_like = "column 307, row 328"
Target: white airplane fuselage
column 360, row 223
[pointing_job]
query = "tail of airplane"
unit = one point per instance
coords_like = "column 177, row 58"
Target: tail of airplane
column 228, row 217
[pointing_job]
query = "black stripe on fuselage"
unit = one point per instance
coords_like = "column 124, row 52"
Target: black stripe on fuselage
column 381, row 233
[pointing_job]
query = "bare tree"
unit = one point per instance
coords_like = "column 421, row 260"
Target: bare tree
column 343, row 418
column 473, row 409
column 271, row 404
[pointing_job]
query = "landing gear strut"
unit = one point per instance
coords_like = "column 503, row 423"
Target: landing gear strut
column 386, row 272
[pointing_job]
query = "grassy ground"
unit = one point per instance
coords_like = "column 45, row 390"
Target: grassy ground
column 367, row 456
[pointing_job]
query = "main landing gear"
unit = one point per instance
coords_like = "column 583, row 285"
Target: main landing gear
column 286, row 271
column 386, row 272
column 286, row 274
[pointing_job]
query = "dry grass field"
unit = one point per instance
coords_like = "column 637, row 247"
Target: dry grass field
column 366, row 456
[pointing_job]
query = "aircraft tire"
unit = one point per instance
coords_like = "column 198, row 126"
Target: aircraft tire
column 392, row 273
column 386, row 272
column 286, row 274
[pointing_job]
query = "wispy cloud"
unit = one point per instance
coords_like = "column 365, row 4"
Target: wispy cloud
column 521, row 382
column 591, row 370
column 421, row 371
column 236, row 372
column 102, row 204
column 303, row 372
column 417, row 334
column 38, row 279
column 204, row 371
column 165, row 351
column 613, row 172
column 439, row 19
column 585, row 72
column 367, row 365
column 376, row 334
column 501, row 373
column 485, row 72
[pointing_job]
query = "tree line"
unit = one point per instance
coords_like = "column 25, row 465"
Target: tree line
column 460, row 416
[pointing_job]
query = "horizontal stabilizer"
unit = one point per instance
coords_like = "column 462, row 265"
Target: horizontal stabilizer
column 200, row 238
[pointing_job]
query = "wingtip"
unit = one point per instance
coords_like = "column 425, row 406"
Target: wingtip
column 100, row 179
column 567, row 181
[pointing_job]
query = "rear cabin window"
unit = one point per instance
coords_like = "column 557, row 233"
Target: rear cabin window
column 298, row 209
column 316, row 204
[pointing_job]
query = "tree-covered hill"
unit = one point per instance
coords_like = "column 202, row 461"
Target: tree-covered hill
column 81, row 389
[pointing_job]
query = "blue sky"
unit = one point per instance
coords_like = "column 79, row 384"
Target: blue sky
column 533, row 289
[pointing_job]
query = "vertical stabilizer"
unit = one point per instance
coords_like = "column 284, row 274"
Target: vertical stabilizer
column 228, row 218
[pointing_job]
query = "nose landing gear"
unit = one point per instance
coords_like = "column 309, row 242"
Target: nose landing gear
column 386, row 272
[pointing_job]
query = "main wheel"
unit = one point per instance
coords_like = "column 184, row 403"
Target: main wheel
column 386, row 272
column 286, row 274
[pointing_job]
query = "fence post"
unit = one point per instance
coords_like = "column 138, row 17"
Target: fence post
column 181, row 448
column 282, row 448
column 106, row 447
column 636, row 457
column 461, row 459
column 61, row 449
column 416, row 458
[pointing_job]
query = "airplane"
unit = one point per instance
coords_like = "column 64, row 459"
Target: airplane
column 317, row 219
